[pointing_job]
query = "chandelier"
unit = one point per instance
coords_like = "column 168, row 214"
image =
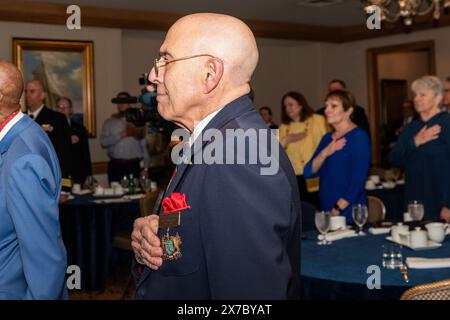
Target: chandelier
column 406, row 10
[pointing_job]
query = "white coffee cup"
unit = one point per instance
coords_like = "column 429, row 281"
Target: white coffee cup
column 397, row 229
column 370, row 184
column 99, row 190
column 375, row 179
column 436, row 231
column 118, row 190
column 337, row 222
column 405, row 237
column 153, row 186
column 76, row 188
column 407, row 217
column 115, row 184
column 419, row 238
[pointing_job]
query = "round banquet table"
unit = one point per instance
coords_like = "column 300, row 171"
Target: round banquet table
column 339, row 270
column 88, row 230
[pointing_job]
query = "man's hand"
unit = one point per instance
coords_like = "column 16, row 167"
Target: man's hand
column 445, row 214
column 75, row 139
column 426, row 135
column 145, row 241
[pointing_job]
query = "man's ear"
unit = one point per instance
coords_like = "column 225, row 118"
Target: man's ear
column 214, row 72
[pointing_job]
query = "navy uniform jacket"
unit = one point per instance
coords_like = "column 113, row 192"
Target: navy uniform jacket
column 80, row 154
column 241, row 236
column 32, row 253
column 59, row 136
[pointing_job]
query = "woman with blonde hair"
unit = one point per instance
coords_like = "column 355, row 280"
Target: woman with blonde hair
column 423, row 151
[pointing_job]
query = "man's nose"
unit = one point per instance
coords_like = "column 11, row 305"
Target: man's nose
column 153, row 78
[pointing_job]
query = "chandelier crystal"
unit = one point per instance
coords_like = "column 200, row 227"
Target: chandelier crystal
column 406, row 10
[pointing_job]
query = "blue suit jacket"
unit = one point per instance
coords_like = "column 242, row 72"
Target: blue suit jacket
column 32, row 254
column 241, row 236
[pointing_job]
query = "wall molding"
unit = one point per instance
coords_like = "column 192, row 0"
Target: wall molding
column 51, row 13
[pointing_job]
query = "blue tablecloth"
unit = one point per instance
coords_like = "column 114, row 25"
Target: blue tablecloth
column 394, row 200
column 339, row 270
column 88, row 230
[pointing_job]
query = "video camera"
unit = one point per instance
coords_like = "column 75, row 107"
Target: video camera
column 147, row 112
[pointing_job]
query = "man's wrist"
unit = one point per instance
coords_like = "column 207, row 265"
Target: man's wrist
column 337, row 208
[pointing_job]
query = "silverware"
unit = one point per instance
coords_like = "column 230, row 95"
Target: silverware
column 404, row 271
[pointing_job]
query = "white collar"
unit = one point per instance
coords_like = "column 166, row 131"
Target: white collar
column 11, row 124
column 201, row 125
column 36, row 113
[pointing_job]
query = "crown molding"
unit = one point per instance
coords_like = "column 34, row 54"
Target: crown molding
column 51, row 13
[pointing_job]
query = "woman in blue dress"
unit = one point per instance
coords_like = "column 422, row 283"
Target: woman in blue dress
column 423, row 151
column 342, row 159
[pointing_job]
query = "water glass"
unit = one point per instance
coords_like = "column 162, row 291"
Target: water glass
column 392, row 256
column 124, row 182
column 416, row 210
column 322, row 220
column 360, row 214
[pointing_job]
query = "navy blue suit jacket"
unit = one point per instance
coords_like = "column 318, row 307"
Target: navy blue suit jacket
column 241, row 236
column 32, row 254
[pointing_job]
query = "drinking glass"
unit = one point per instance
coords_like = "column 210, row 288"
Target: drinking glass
column 416, row 210
column 322, row 220
column 392, row 256
column 360, row 214
column 124, row 182
column 145, row 184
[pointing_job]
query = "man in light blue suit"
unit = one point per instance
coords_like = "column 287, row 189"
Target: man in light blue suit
column 32, row 254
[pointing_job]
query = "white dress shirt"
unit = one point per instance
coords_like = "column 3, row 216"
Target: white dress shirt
column 11, row 124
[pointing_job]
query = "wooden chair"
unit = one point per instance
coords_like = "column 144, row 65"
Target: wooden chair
column 147, row 205
column 431, row 291
column 377, row 210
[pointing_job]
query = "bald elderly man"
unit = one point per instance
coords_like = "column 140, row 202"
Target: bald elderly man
column 225, row 231
column 32, row 253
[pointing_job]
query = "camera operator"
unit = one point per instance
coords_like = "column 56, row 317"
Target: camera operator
column 124, row 143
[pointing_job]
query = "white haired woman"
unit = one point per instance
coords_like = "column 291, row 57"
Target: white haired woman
column 423, row 150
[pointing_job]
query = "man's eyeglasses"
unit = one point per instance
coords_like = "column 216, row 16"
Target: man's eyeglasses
column 161, row 62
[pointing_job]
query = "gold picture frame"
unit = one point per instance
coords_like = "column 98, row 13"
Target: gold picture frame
column 66, row 68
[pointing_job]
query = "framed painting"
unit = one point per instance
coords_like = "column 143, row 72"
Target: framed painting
column 65, row 68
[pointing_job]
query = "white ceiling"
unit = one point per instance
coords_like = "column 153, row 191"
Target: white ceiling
column 343, row 13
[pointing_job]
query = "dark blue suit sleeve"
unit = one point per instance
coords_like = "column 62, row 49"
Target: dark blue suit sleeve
column 244, row 234
column 359, row 150
column 32, row 202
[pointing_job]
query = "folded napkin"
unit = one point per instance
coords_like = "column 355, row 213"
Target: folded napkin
column 427, row 263
column 82, row 192
column 338, row 235
column 114, row 200
column 380, row 230
column 135, row 196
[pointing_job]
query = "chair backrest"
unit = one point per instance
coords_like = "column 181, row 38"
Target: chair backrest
column 377, row 210
column 431, row 291
column 148, row 203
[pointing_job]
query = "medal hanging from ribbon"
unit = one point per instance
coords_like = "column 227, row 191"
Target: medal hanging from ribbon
column 171, row 218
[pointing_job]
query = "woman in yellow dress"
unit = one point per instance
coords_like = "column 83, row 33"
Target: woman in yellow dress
column 300, row 133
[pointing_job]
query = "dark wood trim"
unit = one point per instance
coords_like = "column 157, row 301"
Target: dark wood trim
column 373, row 88
column 50, row 13
column 100, row 167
